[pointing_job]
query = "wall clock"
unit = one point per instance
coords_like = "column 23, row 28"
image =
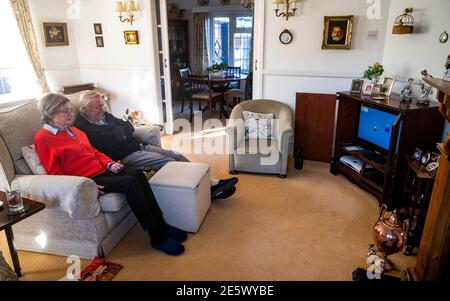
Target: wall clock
column 285, row 37
column 443, row 38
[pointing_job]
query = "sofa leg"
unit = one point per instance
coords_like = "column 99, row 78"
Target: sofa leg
column 282, row 176
column 233, row 172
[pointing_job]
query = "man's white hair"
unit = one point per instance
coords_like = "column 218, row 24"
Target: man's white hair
column 88, row 96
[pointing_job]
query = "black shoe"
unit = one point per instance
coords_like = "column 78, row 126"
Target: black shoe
column 225, row 194
column 177, row 234
column 223, row 186
column 170, row 247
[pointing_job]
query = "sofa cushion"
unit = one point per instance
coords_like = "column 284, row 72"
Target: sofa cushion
column 258, row 125
column 17, row 128
column 112, row 202
column 32, row 159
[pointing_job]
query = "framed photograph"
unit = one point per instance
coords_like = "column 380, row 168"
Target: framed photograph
column 98, row 28
column 417, row 154
column 357, row 85
column 55, row 34
column 387, row 86
column 99, row 41
column 131, row 37
column 337, row 32
column 368, row 89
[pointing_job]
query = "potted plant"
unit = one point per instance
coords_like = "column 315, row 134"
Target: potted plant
column 217, row 69
column 374, row 73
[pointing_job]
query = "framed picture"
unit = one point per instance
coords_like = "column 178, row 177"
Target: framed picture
column 98, row 28
column 131, row 37
column 99, row 41
column 55, row 34
column 357, row 85
column 368, row 89
column 337, row 32
column 387, row 86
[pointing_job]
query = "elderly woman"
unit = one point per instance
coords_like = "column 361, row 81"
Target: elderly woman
column 65, row 150
column 113, row 137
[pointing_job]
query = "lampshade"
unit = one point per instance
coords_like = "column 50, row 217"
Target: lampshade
column 120, row 7
column 293, row 1
column 131, row 6
column 278, row 1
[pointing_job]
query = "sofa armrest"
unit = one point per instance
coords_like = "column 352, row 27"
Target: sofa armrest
column 235, row 129
column 77, row 196
column 285, row 129
column 148, row 134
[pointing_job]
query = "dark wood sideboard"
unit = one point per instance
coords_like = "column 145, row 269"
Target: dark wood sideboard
column 416, row 126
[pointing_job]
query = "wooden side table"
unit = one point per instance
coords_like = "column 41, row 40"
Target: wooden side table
column 7, row 221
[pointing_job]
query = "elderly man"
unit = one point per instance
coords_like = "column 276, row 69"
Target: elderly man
column 113, row 137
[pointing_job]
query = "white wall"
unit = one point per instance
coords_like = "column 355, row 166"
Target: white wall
column 128, row 71
column 303, row 66
column 60, row 63
column 406, row 56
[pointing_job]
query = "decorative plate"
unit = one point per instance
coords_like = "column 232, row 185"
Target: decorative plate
column 443, row 38
column 285, row 37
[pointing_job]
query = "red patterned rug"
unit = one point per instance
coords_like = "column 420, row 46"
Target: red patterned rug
column 100, row 270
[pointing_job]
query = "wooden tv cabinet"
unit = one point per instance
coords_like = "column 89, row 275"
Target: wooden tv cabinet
column 417, row 126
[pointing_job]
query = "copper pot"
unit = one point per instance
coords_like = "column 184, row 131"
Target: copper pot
column 389, row 233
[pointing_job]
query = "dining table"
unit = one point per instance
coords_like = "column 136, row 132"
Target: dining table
column 220, row 84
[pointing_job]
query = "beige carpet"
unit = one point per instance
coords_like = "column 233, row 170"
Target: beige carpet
column 310, row 226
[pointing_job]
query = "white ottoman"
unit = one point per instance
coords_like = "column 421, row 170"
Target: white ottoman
column 183, row 192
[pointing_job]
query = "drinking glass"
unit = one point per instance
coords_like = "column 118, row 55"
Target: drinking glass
column 15, row 202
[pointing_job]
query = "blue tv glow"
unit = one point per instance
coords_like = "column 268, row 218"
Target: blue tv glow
column 375, row 126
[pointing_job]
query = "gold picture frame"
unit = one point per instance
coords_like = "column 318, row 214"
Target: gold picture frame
column 131, row 37
column 337, row 32
column 55, row 34
column 388, row 84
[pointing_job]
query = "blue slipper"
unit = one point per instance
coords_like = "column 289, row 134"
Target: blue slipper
column 170, row 247
column 177, row 234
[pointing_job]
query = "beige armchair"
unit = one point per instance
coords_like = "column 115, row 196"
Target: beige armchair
column 260, row 155
column 76, row 221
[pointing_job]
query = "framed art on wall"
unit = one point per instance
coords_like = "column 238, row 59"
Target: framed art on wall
column 55, row 34
column 131, row 37
column 99, row 42
column 98, row 28
column 337, row 32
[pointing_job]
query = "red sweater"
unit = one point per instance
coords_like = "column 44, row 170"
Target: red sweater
column 62, row 154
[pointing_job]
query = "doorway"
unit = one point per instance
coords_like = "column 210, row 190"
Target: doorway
column 195, row 39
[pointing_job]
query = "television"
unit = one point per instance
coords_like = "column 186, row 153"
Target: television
column 375, row 126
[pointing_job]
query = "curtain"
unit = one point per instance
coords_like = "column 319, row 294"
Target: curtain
column 200, row 43
column 250, row 69
column 22, row 13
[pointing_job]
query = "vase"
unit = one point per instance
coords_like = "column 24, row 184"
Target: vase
column 376, row 85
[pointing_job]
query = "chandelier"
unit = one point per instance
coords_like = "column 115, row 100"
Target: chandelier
column 247, row 4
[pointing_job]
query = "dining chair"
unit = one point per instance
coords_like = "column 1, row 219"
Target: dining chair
column 234, row 72
column 200, row 90
column 185, row 73
column 235, row 96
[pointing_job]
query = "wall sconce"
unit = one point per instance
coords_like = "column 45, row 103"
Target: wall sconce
column 404, row 24
column 129, row 8
column 290, row 8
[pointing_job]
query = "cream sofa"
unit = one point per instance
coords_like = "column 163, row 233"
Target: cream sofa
column 76, row 221
column 260, row 155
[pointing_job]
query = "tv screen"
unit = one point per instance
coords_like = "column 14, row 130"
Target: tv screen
column 375, row 126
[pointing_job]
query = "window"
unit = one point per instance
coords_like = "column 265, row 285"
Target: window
column 231, row 39
column 17, row 77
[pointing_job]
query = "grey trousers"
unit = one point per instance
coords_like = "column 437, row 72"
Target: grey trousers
column 153, row 157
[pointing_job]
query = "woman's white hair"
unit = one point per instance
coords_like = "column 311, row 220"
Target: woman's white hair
column 87, row 97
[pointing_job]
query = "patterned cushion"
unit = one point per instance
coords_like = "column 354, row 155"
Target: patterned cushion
column 32, row 159
column 258, row 125
column 6, row 273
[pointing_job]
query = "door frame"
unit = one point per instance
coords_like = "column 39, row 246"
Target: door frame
column 258, row 58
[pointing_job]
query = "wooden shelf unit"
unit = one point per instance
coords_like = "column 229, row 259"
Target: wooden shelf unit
column 416, row 126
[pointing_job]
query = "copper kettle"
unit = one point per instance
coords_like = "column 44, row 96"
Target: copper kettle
column 389, row 233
